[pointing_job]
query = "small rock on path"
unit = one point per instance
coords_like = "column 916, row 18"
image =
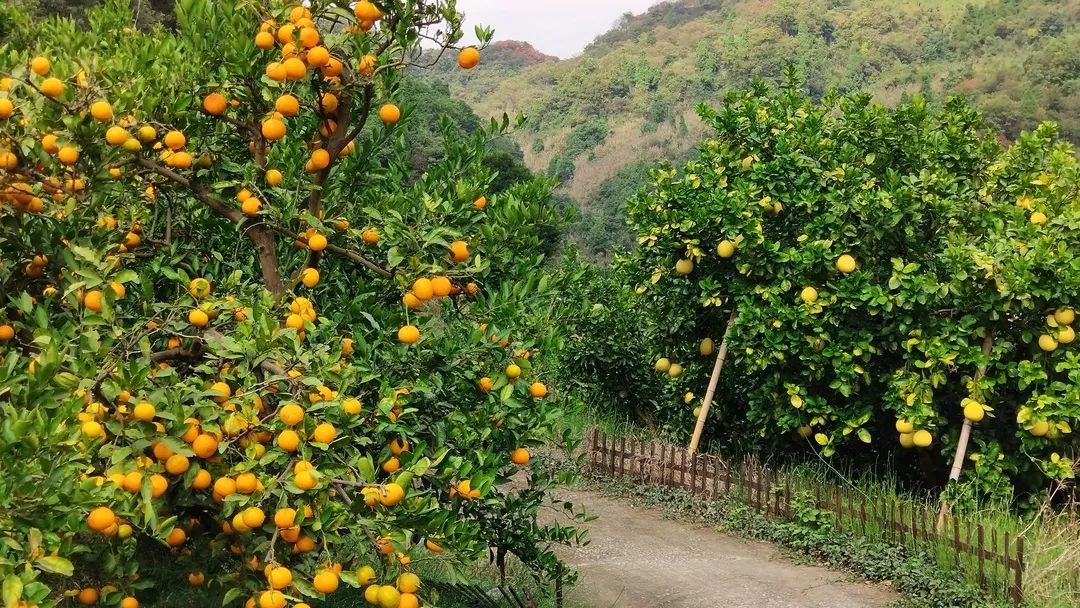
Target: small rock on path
column 638, row 559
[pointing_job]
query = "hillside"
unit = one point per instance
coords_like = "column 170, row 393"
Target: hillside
column 598, row 121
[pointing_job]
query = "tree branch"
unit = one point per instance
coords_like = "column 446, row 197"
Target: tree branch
column 347, row 253
column 233, row 215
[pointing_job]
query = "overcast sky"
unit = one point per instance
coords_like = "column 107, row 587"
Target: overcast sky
column 555, row 27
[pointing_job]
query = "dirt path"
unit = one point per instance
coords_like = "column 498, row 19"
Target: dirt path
column 638, row 559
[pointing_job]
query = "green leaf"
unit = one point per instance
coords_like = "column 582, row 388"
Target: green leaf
column 56, row 565
column 13, row 588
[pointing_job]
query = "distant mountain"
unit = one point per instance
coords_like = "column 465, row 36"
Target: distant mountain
column 598, row 121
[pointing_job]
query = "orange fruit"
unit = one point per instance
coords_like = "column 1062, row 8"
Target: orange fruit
column 144, row 411
column 158, row 485
column 177, row 464
column 326, row 581
column 409, row 334
column 202, row 480
column 7, row 109
column 318, row 56
column 251, row 207
column 129, row 602
column 92, row 300
column 332, row 70
column 486, row 384
column 408, row 582
column 520, row 456
column 398, row 447
column 273, row 178
column 247, row 483
column 285, row 518
column 411, row 301
column 295, row 69
column 279, row 577
column 271, row 599
column 224, row 487
column 317, row 242
column 320, row 159
column 480, row 203
column 390, row 114
column 273, row 129
column 513, row 371
column 264, row 40
column 469, row 58
column 7, row 333
column 423, row 289
column 214, row 104
column 370, row 236
column 276, row 71
column 52, row 87
column 309, row 37
column 393, row 494
column 100, row 519
column 391, row 466
column 459, row 251
column 305, row 480
column 101, row 111
column 221, row 391
column 440, row 286
column 204, row 445
column 254, row 517
column 538, row 390
column 324, row 433
column 198, row 318
column 176, row 537
column 89, row 596
column 180, row 160
column 309, row 277
column 287, row 105
column 288, row 440
column 367, row 11
column 68, row 155
column 291, row 414
column 117, row 136
column 40, row 65
column 174, row 140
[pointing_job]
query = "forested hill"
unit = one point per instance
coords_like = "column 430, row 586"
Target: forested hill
column 599, row 120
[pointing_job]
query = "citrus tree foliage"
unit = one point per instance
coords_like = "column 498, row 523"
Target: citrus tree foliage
column 237, row 326
column 865, row 254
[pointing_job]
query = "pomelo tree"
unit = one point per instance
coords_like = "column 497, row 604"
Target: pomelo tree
column 238, row 330
column 838, row 241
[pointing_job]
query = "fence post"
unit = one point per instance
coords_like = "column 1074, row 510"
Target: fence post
column 1017, row 591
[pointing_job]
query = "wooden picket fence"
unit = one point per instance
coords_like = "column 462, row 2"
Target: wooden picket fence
column 996, row 566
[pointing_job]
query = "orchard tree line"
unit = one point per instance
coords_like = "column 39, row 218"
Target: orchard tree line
column 242, row 330
column 880, row 279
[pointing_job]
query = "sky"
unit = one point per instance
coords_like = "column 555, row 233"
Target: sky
column 555, row 27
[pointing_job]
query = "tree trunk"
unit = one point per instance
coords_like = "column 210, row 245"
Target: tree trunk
column 965, row 433
column 266, row 242
column 721, row 356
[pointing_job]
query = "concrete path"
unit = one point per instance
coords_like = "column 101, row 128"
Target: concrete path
column 638, row 559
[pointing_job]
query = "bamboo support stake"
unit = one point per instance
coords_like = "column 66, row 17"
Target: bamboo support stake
column 721, row 355
column 965, row 433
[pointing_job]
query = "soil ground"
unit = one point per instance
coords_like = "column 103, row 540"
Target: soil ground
column 638, row 559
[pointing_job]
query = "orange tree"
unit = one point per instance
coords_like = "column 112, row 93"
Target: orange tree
column 844, row 243
column 237, row 326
